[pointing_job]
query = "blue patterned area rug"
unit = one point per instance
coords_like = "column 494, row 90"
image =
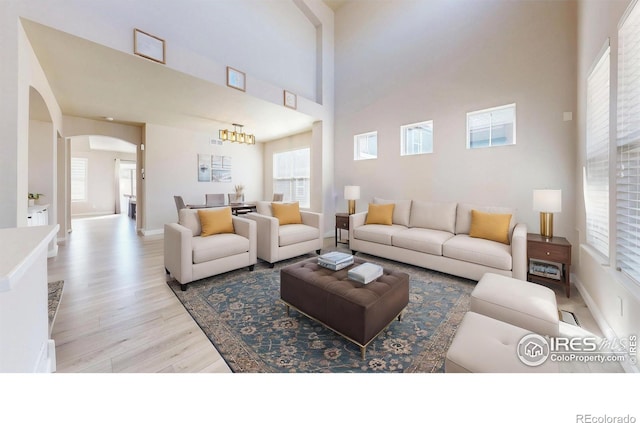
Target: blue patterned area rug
column 240, row 312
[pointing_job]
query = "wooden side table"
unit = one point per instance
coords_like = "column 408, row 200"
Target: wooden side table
column 555, row 250
column 342, row 223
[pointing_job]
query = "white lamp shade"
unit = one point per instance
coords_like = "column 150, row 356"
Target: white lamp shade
column 547, row 200
column 351, row 192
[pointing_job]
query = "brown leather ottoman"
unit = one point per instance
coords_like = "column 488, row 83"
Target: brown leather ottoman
column 356, row 311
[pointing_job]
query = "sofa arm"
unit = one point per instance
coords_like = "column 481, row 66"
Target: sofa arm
column 356, row 220
column 267, row 234
column 178, row 252
column 247, row 228
column 519, row 251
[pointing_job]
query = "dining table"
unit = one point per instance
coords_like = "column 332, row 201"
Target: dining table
column 236, row 209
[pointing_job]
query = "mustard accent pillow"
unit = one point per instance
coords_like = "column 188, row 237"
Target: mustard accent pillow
column 216, row 221
column 491, row 226
column 287, row 213
column 380, row 214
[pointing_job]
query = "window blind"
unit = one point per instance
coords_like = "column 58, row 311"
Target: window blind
column 78, row 179
column 292, row 175
column 628, row 147
column 597, row 187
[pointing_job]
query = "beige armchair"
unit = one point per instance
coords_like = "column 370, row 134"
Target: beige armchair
column 189, row 257
column 279, row 242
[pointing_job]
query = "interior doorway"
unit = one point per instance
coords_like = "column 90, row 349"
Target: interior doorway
column 127, row 188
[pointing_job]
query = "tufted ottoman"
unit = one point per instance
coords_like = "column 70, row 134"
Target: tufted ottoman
column 355, row 311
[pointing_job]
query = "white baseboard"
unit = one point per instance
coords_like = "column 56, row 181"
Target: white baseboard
column 47, row 358
column 149, row 232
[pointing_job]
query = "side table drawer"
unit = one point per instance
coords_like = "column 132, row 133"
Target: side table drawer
column 342, row 223
column 549, row 252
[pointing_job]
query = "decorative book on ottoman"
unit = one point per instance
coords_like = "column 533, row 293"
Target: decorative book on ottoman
column 335, row 260
column 365, row 273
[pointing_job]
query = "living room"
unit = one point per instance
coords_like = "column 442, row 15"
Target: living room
column 384, row 65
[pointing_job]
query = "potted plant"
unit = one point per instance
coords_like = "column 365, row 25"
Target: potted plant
column 33, row 196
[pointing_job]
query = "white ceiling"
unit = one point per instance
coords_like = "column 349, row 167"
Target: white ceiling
column 93, row 81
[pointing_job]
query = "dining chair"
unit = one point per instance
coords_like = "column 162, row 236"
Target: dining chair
column 235, row 198
column 278, row 196
column 179, row 203
column 214, row 200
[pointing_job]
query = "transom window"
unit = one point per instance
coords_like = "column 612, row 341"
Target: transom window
column 416, row 138
column 492, row 127
column 365, row 146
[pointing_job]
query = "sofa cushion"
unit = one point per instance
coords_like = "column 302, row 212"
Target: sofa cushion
column 431, row 215
column 287, row 213
column 218, row 246
column 215, row 221
column 423, row 240
column 463, row 216
column 491, row 226
column 189, row 219
column 380, row 234
column 479, row 251
column 296, row 233
column 401, row 211
column 380, row 214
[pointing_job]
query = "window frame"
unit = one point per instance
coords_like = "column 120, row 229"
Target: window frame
column 296, row 182
column 357, row 153
column 85, row 181
column 403, row 138
column 491, row 126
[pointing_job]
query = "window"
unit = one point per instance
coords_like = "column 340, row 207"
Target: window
column 597, row 169
column 628, row 148
column 365, row 146
column 127, row 178
column 292, row 175
column 492, row 127
column 79, row 166
column 416, row 138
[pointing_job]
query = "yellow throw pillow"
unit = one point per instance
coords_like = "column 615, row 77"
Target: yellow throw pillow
column 380, row 214
column 491, row 226
column 216, row 221
column 287, row 213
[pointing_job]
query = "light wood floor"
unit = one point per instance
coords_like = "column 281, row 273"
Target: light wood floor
column 117, row 313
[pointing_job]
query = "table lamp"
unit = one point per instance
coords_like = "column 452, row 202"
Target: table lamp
column 352, row 193
column 547, row 202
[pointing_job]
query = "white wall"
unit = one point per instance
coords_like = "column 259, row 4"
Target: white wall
column 605, row 289
column 170, row 161
column 401, row 62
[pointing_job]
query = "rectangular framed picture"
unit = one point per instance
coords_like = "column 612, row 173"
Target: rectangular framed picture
column 204, row 167
column 221, row 168
column 290, row 100
column 148, row 46
column 236, row 79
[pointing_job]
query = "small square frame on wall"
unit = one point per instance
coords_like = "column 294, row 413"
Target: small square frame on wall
column 148, row 46
column 290, row 100
column 236, row 79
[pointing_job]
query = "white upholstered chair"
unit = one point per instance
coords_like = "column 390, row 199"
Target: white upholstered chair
column 188, row 256
column 279, row 242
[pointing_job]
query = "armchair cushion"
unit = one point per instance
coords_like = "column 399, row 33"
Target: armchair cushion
column 491, row 226
column 189, row 219
column 294, row 234
column 218, row 246
column 215, row 221
column 287, row 213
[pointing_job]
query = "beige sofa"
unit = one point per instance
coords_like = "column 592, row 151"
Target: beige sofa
column 189, row 256
column 436, row 236
column 279, row 242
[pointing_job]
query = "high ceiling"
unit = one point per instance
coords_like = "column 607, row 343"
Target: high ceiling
column 93, row 81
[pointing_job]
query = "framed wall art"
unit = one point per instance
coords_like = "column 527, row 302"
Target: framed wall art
column 148, row 46
column 236, row 79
